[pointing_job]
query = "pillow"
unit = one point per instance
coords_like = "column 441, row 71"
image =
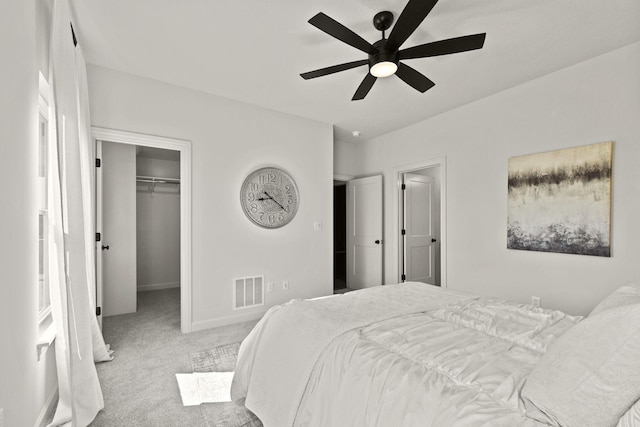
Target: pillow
column 631, row 418
column 589, row 376
column 628, row 294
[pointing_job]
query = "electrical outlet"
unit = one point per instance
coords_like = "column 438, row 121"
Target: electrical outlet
column 285, row 284
column 270, row 287
column 535, row 301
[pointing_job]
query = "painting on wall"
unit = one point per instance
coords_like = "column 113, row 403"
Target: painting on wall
column 560, row 201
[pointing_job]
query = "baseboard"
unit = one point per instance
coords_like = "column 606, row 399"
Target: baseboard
column 201, row 325
column 158, row 286
column 47, row 410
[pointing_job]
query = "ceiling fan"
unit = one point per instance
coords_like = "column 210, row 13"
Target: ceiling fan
column 384, row 55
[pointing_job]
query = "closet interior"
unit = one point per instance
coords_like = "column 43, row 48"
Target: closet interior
column 157, row 218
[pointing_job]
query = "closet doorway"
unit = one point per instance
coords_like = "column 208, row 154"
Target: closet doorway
column 142, row 221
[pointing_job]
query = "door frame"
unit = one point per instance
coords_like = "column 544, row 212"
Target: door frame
column 184, row 147
column 397, row 209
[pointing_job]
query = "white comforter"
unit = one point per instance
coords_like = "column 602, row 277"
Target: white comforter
column 400, row 355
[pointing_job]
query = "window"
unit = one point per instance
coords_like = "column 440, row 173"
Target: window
column 44, row 300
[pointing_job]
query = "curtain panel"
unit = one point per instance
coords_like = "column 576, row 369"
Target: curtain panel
column 79, row 342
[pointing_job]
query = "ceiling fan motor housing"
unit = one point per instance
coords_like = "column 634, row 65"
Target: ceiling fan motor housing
column 383, row 55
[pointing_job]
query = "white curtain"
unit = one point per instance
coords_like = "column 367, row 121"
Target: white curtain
column 79, row 343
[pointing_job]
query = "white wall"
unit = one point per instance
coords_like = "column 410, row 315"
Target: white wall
column 25, row 383
column 595, row 101
column 229, row 140
column 158, row 226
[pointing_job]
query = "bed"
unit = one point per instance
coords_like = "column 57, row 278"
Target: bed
column 417, row 355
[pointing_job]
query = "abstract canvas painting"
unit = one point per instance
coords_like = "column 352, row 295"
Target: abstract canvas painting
column 560, row 201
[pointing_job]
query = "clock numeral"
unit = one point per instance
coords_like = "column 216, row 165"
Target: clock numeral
column 287, row 189
column 251, row 197
column 281, row 217
column 272, row 219
column 254, row 208
column 269, row 177
column 261, row 216
column 254, row 186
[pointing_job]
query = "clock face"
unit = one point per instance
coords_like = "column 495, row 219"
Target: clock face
column 269, row 197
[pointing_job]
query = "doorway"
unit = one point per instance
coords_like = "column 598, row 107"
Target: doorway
column 421, row 222
column 146, row 144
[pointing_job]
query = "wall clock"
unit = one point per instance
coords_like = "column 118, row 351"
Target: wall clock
column 269, row 197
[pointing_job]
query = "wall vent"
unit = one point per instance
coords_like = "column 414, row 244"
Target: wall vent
column 248, row 292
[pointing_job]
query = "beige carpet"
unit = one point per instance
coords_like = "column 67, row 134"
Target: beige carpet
column 139, row 385
column 225, row 414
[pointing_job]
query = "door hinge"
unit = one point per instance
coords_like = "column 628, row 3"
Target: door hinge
column 404, row 186
column 98, row 237
column 404, row 277
column 98, row 163
column 98, row 311
column 404, row 231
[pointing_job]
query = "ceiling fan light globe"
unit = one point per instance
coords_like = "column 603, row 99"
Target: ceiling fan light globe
column 383, row 69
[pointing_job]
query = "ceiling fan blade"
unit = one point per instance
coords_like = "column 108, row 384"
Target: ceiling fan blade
column 414, row 78
column 364, row 87
column 334, row 69
column 411, row 17
column 444, row 47
column 339, row 31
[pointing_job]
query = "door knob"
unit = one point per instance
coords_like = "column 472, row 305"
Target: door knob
column 105, row 248
column 377, row 242
column 433, row 240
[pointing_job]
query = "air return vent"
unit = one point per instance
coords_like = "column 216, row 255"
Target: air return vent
column 248, row 292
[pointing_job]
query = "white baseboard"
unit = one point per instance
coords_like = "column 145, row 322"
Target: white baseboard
column 201, row 325
column 158, row 286
column 47, row 409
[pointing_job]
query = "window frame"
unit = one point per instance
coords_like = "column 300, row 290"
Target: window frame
column 44, row 310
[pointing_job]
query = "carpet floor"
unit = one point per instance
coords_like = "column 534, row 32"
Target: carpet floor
column 139, row 385
column 223, row 414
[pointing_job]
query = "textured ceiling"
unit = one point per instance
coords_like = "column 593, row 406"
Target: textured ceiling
column 254, row 50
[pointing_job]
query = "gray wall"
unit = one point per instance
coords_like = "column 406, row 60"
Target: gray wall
column 25, row 383
column 595, row 101
column 158, row 226
column 229, row 140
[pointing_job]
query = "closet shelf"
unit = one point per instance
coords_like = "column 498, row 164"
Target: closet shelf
column 157, row 180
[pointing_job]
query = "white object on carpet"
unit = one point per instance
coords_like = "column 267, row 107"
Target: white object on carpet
column 204, row 387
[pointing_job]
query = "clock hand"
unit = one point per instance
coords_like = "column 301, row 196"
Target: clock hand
column 277, row 203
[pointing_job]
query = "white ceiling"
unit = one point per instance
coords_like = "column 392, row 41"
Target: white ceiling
column 254, row 50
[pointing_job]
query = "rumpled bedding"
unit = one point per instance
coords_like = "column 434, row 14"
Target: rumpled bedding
column 408, row 354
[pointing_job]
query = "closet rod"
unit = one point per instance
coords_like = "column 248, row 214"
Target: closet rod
column 157, row 180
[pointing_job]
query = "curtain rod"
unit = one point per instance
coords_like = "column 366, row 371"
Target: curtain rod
column 157, row 180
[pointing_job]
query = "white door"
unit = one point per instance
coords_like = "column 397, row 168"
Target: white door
column 116, row 192
column 418, row 231
column 364, row 232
